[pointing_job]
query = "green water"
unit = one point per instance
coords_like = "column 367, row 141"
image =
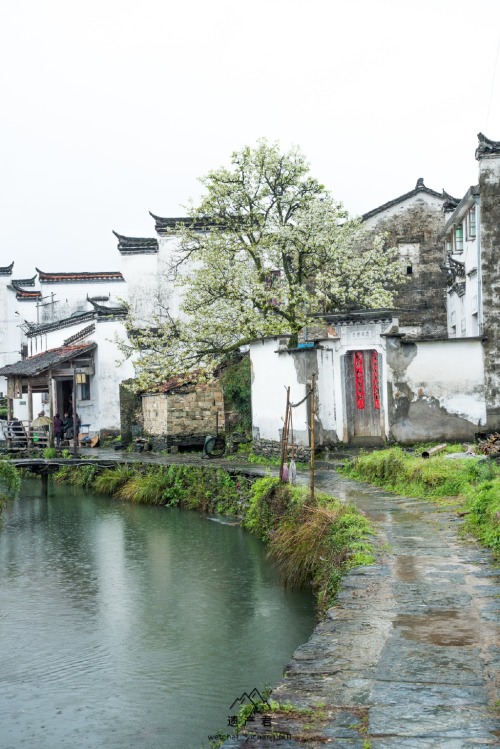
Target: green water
column 133, row 627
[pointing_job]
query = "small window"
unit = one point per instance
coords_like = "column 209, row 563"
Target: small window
column 409, row 270
column 472, row 223
column 83, row 387
column 459, row 238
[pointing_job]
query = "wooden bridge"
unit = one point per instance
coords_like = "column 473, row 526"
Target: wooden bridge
column 44, row 467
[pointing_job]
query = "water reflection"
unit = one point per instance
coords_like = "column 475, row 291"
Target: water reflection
column 132, row 626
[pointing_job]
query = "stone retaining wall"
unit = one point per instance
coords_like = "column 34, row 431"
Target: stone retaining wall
column 272, row 449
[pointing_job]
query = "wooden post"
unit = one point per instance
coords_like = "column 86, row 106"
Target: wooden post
column 30, row 401
column 9, row 416
column 75, row 435
column 51, row 410
column 284, row 434
column 311, row 481
column 30, row 430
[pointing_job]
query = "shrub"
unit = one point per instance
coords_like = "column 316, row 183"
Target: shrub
column 483, row 520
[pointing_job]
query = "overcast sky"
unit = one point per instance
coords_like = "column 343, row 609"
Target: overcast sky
column 113, row 108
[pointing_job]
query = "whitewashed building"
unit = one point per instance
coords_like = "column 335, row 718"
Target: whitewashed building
column 429, row 371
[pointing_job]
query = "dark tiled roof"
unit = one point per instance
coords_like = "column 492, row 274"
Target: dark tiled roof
column 99, row 313
column 461, row 209
column 22, row 294
column 102, row 310
column 419, row 188
column 24, row 281
column 7, row 270
column 67, row 322
column 136, row 245
column 81, row 334
column 450, row 203
column 83, row 277
column 486, row 146
column 168, row 225
column 34, row 365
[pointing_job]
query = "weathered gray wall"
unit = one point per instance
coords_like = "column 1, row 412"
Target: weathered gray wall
column 435, row 389
column 424, row 293
column 489, row 185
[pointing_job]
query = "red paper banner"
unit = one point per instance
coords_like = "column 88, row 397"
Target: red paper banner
column 375, row 380
column 359, row 379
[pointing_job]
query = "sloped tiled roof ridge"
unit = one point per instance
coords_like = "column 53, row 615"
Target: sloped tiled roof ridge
column 7, row 269
column 136, row 245
column 486, row 146
column 420, row 187
column 23, row 294
column 79, row 277
column 166, row 225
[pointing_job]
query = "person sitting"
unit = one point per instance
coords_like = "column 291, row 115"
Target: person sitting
column 68, row 426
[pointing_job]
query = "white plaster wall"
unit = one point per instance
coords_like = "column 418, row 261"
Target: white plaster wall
column 102, row 411
column 328, row 375
column 62, row 300
column 453, row 374
column 271, row 373
column 110, row 371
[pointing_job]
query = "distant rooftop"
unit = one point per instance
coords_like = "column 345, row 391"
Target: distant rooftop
column 6, row 270
column 419, row 188
column 486, row 146
column 23, row 294
column 167, row 225
column 83, row 277
column 136, row 245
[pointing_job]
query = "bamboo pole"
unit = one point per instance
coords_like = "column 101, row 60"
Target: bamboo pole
column 284, row 435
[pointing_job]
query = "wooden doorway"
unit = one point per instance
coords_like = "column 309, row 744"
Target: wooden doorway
column 363, row 396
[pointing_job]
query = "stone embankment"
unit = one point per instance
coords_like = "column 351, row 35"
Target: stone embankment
column 410, row 656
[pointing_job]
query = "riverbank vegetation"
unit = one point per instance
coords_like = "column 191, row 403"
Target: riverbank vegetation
column 313, row 543
column 471, row 484
column 10, row 482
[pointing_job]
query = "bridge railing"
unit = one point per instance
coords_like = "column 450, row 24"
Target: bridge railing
column 20, row 435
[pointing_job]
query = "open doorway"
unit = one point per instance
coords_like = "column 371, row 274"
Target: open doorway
column 65, row 397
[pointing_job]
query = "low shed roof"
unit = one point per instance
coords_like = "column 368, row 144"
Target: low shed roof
column 35, row 365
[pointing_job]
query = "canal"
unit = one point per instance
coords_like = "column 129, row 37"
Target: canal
column 131, row 627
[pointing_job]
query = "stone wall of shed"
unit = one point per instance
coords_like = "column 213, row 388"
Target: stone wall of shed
column 489, row 185
column 191, row 410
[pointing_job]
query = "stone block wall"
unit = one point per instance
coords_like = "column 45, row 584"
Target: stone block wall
column 415, row 228
column 187, row 412
column 271, row 449
column 489, row 185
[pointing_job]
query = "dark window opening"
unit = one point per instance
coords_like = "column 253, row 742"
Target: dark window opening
column 409, row 270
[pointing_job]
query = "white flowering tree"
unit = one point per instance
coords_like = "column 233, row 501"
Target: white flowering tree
column 269, row 247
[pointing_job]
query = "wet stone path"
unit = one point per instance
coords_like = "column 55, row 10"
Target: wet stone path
column 410, row 656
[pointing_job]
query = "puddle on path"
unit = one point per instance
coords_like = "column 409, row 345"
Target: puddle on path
column 447, row 628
